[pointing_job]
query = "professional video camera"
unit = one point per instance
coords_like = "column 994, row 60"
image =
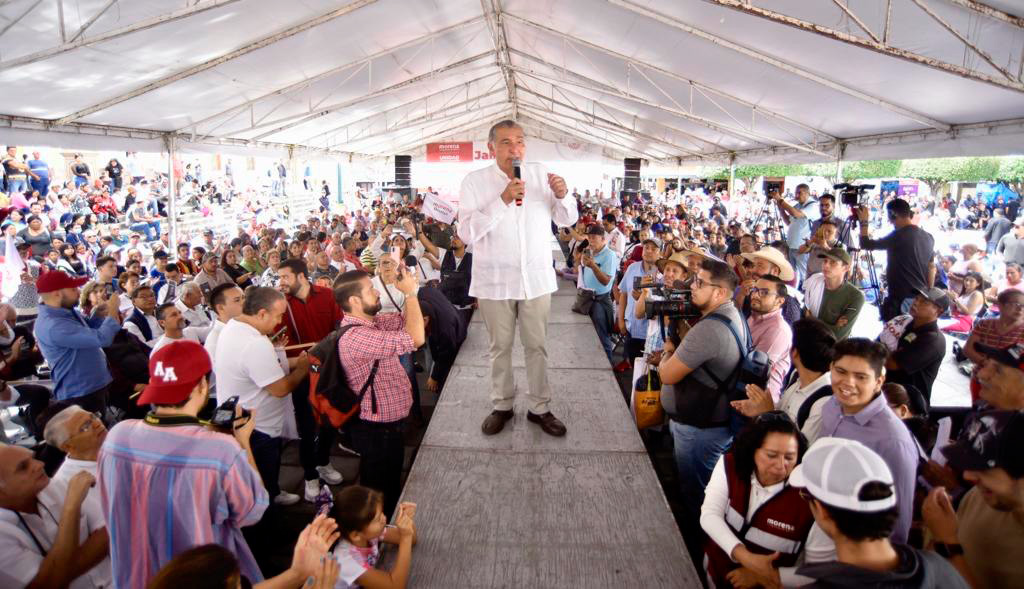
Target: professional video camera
column 677, row 303
column 851, row 194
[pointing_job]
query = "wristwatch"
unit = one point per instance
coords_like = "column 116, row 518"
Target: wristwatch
column 948, row 550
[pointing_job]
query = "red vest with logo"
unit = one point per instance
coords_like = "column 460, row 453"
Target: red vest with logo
column 780, row 524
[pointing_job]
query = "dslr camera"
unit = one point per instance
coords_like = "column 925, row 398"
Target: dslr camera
column 852, row 195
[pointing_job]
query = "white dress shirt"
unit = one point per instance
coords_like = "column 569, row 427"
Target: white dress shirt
column 511, row 244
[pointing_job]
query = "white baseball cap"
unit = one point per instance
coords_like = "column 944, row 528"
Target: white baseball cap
column 835, row 470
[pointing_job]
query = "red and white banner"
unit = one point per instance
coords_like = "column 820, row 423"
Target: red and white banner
column 439, row 208
column 460, row 151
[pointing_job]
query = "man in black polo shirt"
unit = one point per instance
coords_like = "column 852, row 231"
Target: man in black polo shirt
column 909, row 252
column 919, row 351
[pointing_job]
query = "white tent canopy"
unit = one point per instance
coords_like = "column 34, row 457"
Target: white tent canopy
column 668, row 80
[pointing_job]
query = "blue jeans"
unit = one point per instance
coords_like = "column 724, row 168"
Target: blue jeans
column 602, row 316
column 151, row 229
column 79, row 181
column 696, row 451
column 16, row 185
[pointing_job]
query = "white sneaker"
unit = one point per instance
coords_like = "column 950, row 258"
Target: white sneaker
column 285, row 498
column 312, row 490
column 329, row 474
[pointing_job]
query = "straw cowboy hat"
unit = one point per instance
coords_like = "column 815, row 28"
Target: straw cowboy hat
column 773, row 256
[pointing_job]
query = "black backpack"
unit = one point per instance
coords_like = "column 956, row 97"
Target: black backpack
column 805, row 408
column 329, row 392
column 754, row 366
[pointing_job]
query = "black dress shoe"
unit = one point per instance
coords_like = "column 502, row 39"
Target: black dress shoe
column 495, row 422
column 549, row 423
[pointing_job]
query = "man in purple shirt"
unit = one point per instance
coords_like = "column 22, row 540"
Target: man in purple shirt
column 858, row 411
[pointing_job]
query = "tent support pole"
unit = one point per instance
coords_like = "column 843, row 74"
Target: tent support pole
column 840, row 151
column 732, row 175
column 172, row 195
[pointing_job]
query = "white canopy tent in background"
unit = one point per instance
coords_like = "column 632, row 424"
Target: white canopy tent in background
column 708, row 81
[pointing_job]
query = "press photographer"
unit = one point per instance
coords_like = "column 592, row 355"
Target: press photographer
column 693, row 395
column 909, row 254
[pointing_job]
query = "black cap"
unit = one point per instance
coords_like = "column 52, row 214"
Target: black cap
column 990, row 439
column 1012, row 356
column 936, row 295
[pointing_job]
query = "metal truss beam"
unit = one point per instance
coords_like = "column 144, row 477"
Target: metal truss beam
column 471, row 105
column 594, row 119
column 780, row 64
column 492, row 12
column 986, row 10
column 142, row 25
column 741, row 133
column 640, row 64
column 303, row 119
column 470, row 126
column 432, row 127
column 20, row 17
column 212, row 63
column 977, row 50
column 543, row 117
column 810, row 27
column 423, row 101
column 595, row 86
column 93, row 19
column 235, row 110
column 540, row 129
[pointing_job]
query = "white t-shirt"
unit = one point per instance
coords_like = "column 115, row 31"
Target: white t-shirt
column 246, row 362
column 189, row 334
column 387, row 305
column 353, row 561
column 20, row 557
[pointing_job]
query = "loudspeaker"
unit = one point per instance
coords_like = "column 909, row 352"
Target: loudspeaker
column 631, row 176
column 403, row 170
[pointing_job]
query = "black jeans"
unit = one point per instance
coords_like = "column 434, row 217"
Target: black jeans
column 314, row 440
column 381, row 447
column 634, row 348
column 266, row 451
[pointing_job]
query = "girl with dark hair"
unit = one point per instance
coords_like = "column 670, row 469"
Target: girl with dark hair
column 241, row 276
column 212, row 566
column 362, row 524
column 964, row 309
column 754, row 520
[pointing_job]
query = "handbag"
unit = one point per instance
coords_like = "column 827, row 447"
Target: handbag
column 584, row 301
column 647, row 409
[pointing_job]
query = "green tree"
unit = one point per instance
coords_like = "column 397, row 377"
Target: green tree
column 1011, row 171
column 936, row 172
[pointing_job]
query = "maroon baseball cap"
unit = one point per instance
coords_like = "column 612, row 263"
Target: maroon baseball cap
column 174, row 370
column 57, row 280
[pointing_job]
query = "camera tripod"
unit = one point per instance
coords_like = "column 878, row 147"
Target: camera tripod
column 855, row 254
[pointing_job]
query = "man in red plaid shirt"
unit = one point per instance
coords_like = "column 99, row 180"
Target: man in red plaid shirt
column 379, row 337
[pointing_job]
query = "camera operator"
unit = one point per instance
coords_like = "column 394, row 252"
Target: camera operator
column 205, row 508
column 798, row 219
column 909, row 256
column 692, row 397
column 670, row 270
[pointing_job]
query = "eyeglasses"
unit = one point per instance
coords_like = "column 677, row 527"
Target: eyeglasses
column 1012, row 305
column 761, row 291
column 92, row 423
column 698, row 283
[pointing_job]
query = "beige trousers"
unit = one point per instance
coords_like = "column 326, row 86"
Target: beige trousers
column 500, row 318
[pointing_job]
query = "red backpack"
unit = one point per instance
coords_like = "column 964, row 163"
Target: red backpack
column 330, row 395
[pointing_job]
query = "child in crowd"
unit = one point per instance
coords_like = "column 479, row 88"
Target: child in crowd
column 361, row 522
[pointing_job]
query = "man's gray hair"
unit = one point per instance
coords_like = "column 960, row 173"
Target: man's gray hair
column 187, row 288
column 259, row 298
column 506, row 124
column 56, row 432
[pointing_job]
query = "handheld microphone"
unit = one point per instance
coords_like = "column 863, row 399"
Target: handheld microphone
column 517, row 171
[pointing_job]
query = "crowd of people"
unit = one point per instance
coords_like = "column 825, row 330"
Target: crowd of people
column 823, row 468
column 178, row 375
